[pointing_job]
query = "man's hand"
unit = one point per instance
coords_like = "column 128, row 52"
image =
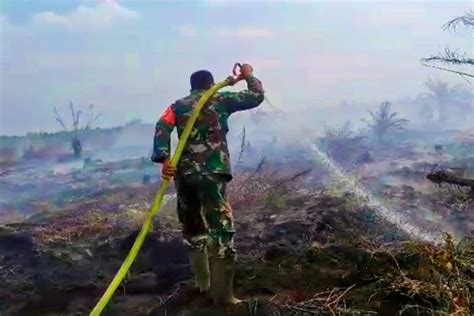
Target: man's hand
column 167, row 170
column 246, row 71
column 232, row 80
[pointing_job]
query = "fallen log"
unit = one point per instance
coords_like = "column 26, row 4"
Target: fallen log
column 439, row 177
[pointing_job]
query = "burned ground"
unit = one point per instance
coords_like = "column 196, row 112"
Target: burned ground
column 307, row 245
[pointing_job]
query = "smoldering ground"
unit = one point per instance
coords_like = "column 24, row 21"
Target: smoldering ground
column 293, row 209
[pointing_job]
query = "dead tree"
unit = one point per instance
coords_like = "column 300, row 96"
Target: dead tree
column 79, row 123
column 440, row 93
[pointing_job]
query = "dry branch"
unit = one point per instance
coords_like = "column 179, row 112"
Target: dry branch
column 324, row 303
column 467, row 20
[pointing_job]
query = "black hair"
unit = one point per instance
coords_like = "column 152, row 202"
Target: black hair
column 201, row 80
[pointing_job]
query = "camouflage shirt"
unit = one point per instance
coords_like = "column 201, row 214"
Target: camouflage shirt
column 206, row 150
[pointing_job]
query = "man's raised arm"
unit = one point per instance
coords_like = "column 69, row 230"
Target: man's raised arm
column 247, row 99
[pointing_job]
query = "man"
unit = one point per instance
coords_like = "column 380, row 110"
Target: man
column 201, row 177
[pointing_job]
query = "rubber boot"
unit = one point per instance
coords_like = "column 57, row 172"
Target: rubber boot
column 200, row 267
column 222, row 281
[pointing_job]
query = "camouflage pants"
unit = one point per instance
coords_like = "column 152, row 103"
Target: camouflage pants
column 205, row 214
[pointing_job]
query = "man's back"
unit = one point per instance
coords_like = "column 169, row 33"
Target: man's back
column 206, row 150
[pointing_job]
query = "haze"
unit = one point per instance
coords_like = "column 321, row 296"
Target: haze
column 133, row 58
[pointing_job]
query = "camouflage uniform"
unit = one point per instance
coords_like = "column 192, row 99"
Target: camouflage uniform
column 204, row 168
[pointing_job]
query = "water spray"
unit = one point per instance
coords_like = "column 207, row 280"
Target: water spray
column 364, row 195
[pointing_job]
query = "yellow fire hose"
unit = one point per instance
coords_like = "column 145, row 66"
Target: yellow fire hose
column 104, row 300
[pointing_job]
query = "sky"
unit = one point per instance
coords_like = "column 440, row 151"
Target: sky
column 131, row 59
